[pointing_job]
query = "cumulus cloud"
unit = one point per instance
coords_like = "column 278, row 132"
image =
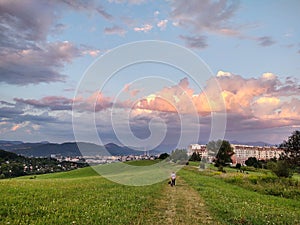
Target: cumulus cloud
column 27, row 56
column 249, row 102
column 260, row 102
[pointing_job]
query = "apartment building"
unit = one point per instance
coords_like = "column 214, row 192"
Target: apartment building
column 242, row 152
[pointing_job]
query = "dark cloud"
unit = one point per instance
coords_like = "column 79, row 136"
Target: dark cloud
column 198, row 42
column 36, row 65
column 10, row 112
column 51, row 102
column 265, row 41
column 26, row 55
column 115, row 30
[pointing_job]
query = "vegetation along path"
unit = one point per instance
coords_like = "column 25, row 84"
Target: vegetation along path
column 179, row 205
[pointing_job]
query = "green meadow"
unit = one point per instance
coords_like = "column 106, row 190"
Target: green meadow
column 83, row 197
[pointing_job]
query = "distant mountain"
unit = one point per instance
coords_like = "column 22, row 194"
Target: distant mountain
column 9, row 143
column 46, row 149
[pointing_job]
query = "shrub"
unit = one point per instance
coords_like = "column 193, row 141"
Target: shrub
column 280, row 168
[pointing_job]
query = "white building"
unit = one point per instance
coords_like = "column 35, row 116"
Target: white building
column 242, row 152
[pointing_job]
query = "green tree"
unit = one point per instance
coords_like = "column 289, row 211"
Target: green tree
column 280, row 168
column 224, row 153
column 163, row 156
column 291, row 149
column 252, row 161
column 213, row 147
column 179, row 156
column 196, row 157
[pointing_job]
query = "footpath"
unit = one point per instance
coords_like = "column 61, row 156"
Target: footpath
column 179, row 205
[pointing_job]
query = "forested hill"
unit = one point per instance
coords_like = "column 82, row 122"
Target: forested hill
column 46, row 149
column 13, row 165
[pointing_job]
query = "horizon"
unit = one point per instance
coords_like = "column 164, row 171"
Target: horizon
column 236, row 77
column 200, row 143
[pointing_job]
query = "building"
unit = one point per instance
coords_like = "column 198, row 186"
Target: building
column 242, row 152
column 201, row 149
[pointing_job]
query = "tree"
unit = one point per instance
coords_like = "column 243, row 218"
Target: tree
column 225, row 151
column 163, row 156
column 196, row 157
column 179, row 156
column 280, row 168
column 213, row 147
column 252, row 161
column 291, row 149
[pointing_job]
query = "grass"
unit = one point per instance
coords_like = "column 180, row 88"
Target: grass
column 232, row 204
column 75, row 197
column 83, row 197
column 143, row 162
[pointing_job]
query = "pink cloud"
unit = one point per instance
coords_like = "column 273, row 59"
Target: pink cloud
column 145, row 28
column 162, row 24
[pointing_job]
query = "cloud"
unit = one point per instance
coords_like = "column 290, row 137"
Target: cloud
column 265, row 41
column 115, row 30
column 27, row 55
column 162, row 24
column 50, row 102
column 198, row 42
column 199, row 16
column 132, row 92
column 86, row 6
column 134, row 2
column 208, row 17
column 144, row 28
column 36, row 65
column 251, row 103
column 260, row 103
column 93, row 103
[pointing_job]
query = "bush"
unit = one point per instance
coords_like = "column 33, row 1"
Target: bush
column 163, row 156
column 280, row 168
column 238, row 166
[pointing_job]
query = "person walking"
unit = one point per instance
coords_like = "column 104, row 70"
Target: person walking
column 173, row 179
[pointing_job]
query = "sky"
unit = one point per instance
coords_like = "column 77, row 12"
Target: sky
column 54, row 87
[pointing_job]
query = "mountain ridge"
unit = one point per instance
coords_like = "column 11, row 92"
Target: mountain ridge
column 46, row 149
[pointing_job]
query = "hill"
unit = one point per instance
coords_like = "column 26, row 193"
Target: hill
column 14, row 165
column 46, row 149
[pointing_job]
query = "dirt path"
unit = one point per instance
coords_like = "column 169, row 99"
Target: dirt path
column 180, row 205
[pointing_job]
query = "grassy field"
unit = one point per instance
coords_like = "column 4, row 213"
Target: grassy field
column 76, row 197
column 83, row 197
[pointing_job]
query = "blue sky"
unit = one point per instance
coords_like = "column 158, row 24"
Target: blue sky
column 252, row 49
